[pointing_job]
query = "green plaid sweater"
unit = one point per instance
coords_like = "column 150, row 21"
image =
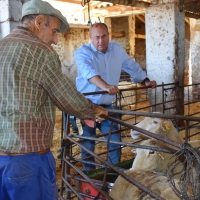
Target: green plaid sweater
column 31, row 86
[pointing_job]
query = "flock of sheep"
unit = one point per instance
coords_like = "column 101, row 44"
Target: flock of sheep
column 151, row 168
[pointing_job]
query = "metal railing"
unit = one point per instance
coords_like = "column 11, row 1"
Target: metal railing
column 132, row 105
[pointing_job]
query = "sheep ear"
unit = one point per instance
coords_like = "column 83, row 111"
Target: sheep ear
column 134, row 151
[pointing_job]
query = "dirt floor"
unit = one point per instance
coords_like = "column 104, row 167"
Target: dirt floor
column 57, row 144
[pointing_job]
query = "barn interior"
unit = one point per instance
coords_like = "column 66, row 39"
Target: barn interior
column 163, row 36
column 120, row 16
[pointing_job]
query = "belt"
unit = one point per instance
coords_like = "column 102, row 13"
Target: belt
column 2, row 153
column 103, row 105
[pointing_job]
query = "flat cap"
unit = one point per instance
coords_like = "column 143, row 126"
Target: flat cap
column 42, row 7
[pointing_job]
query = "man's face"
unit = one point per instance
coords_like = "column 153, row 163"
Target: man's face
column 49, row 29
column 100, row 38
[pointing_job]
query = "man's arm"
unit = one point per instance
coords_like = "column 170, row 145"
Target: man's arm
column 83, row 57
column 134, row 69
column 99, row 82
column 64, row 94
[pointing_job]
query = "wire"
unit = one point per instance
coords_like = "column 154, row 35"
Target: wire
column 99, row 19
column 181, row 5
column 83, row 3
column 189, row 171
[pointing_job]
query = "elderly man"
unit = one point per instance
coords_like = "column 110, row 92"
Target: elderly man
column 31, row 86
column 99, row 67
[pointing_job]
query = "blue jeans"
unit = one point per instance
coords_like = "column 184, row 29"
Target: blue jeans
column 30, row 176
column 104, row 127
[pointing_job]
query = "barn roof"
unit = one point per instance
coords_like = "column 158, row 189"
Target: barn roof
column 125, row 7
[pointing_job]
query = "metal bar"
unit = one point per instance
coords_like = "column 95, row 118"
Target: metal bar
column 136, row 88
column 126, row 144
column 85, row 176
column 92, row 93
column 190, row 102
column 99, row 183
column 89, row 196
column 189, row 85
column 75, row 160
column 159, row 115
column 71, row 188
column 186, row 132
column 68, row 151
column 134, row 182
column 163, row 107
column 63, row 173
column 96, row 136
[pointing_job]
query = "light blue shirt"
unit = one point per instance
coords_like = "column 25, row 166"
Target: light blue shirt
column 108, row 66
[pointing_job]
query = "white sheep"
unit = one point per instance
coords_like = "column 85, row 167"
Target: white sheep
column 165, row 128
column 160, row 126
column 124, row 190
column 156, row 161
column 149, row 168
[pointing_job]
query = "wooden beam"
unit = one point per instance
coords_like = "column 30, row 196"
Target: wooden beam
column 191, row 1
column 192, row 15
column 187, row 20
column 141, row 18
column 71, row 1
column 93, row 4
column 85, row 26
column 140, row 36
column 118, row 34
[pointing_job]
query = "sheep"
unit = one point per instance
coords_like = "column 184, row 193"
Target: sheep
column 165, row 128
column 153, row 160
column 150, row 169
column 124, row 190
column 161, row 126
column 158, row 161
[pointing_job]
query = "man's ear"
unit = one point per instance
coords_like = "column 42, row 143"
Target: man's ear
column 39, row 20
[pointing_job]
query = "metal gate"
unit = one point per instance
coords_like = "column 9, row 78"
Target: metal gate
column 97, row 184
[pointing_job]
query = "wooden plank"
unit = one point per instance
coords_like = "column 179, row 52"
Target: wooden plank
column 118, row 34
column 140, row 36
column 187, row 20
column 85, row 26
column 71, row 1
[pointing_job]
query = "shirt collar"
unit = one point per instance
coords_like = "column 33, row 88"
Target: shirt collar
column 25, row 31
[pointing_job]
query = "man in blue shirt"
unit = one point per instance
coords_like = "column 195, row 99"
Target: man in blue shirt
column 99, row 67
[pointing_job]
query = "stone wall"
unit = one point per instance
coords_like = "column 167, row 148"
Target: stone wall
column 67, row 45
column 10, row 16
column 75, row 37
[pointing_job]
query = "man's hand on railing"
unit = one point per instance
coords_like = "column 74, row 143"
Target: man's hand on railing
column 98, row 110
column 149, row 83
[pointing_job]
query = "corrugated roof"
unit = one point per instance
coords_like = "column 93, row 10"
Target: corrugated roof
column 109, row 8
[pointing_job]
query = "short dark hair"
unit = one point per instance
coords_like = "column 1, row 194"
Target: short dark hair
column 28, row 18
column 97, row 24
